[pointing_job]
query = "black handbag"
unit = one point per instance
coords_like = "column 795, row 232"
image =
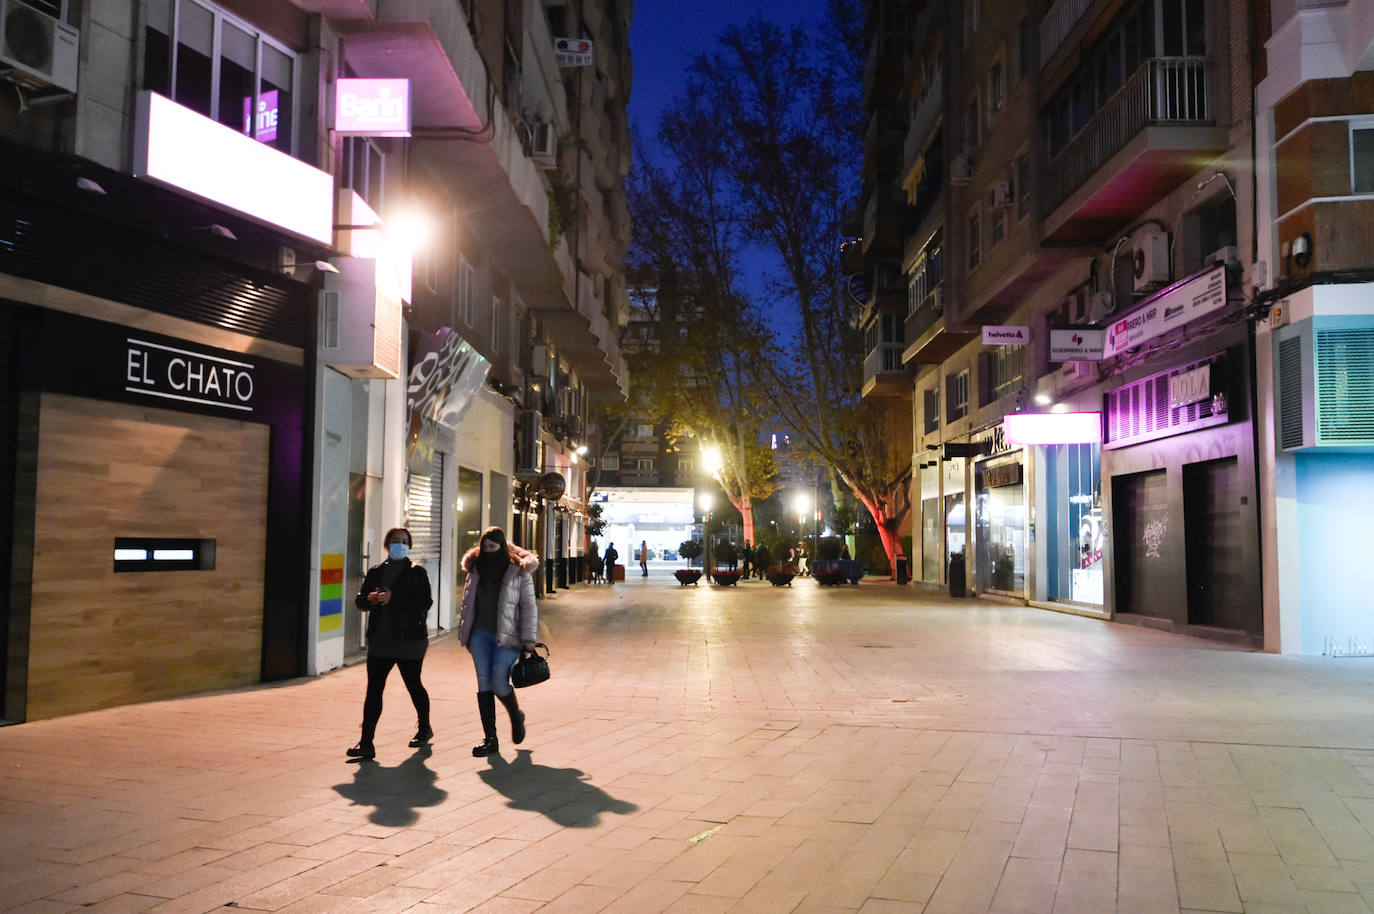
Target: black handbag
column 530, row 669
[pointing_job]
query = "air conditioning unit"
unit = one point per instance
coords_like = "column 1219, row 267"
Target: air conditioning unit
column 1101, row 305
column 360, row 325
column 961, row 168
column 937, row 300
column 37, row 51
column 1324, row 383
column 1077, row 308
column 1227, row 255
column 1075, row 370
column 543, row 144
column 530, row 457
column 999, row 194
column 1150, row 263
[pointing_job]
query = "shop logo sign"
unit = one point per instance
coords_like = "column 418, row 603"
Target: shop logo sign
column 157, row 370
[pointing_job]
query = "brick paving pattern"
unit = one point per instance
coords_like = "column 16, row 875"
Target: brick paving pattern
column 750, row 749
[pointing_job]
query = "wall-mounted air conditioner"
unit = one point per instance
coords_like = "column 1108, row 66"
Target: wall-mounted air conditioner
column 543, row 144
column 37, row 51
column 1150, row 264
column 999, row 194
column 937, row 300
column 1324, row 384
column 1227, row 255
column 1101, row 305
column 1076, row 307
column 529, row 459
column 961, row 168
column 360, row 325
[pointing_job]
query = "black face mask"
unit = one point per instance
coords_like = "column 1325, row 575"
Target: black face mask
column 492, row 563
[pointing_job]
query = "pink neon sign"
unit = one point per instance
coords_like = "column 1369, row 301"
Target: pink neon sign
column 265, row 128
column 1053, row 428
column 372, row 107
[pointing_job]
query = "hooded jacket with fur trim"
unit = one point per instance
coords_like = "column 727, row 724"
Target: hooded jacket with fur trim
column 517, row 618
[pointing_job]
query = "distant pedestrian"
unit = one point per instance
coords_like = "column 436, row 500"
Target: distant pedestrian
column 396, row 596
column 844, row 552
column 609, row 559
column 498, row 619
column 762, row 558
column 644, row 558
column 593, row 564
column 746, row 559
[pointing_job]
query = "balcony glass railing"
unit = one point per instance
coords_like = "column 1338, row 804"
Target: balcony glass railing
column 1164, row 91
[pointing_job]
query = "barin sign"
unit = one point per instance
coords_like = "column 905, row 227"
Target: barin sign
column 172, row 373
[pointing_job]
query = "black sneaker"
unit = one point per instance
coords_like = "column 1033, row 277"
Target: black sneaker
column 489, row 746
column 362, row 751
column 421, row 738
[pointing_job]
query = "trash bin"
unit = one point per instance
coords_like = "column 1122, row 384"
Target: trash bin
column 903, row 570
column 956, row 575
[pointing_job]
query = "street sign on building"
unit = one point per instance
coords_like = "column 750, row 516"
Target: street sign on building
column 573, row 52
column 1005, row 336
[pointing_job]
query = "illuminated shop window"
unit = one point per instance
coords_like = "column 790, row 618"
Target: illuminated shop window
column 142, row 553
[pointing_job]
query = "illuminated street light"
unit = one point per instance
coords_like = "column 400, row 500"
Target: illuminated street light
column 706, row 501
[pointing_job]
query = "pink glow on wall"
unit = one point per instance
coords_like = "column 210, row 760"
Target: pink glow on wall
column 1053, row 428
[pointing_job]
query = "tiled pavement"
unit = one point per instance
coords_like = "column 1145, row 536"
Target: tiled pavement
column 748, row 749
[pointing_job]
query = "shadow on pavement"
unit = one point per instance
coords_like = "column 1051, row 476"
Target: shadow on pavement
column 562, row 794
column 396, row 792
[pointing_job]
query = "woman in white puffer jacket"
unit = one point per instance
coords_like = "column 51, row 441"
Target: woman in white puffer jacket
column 499, row 618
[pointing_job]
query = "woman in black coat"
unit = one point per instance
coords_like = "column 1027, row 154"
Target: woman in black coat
column 396, row 597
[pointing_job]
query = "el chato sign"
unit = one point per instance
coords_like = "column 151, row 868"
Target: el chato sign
column 372, row 107
column 1005, row 336
column 1182, row 302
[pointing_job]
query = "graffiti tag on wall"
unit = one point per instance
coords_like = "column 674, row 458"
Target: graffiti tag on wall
column 1155, row 532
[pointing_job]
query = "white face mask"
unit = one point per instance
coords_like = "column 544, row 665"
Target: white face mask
column 489, row 546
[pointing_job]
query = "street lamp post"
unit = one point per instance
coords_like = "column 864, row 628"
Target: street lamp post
column 707, row 501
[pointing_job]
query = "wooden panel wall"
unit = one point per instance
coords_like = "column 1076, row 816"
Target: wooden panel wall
column 99, row 639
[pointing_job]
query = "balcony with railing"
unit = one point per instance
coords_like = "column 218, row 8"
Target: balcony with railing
column 884, row 373
column 883, row 219
column 885, row 130
column 1057, row 24
column 928, row 329
column 883, row 68
column 923, row 123
column 1140, row 145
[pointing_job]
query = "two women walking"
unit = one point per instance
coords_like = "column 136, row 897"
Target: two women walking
column 498, row 618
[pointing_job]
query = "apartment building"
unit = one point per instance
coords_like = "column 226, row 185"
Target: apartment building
column 1079, row 260
column 227, row 371
column 1315, row 339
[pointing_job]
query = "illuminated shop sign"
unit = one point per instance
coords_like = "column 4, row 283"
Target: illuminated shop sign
column 1182, row 302
column 178, row 148
column 1053, row 428
column 263, row 127
column 372, row 107
column 1006, row 336
column 1076, row 344
column 173, row 373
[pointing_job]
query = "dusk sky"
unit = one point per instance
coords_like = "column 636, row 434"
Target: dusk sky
column 666, row 34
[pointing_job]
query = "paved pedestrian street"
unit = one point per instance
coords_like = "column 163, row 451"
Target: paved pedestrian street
column 749, row 749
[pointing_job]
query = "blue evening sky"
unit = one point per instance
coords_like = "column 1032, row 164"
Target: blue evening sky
column 664, row 37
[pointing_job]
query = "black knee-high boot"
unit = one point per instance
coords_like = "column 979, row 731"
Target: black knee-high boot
column 486, row 707
column 517, row 718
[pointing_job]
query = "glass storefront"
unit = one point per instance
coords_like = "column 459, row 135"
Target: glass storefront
column 1001, row 526
column 1071, row 515
column 932, row 551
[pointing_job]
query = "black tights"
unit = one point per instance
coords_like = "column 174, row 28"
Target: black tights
column 378, row 668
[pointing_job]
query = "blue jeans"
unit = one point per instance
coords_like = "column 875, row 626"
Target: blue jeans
column 493, row 662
